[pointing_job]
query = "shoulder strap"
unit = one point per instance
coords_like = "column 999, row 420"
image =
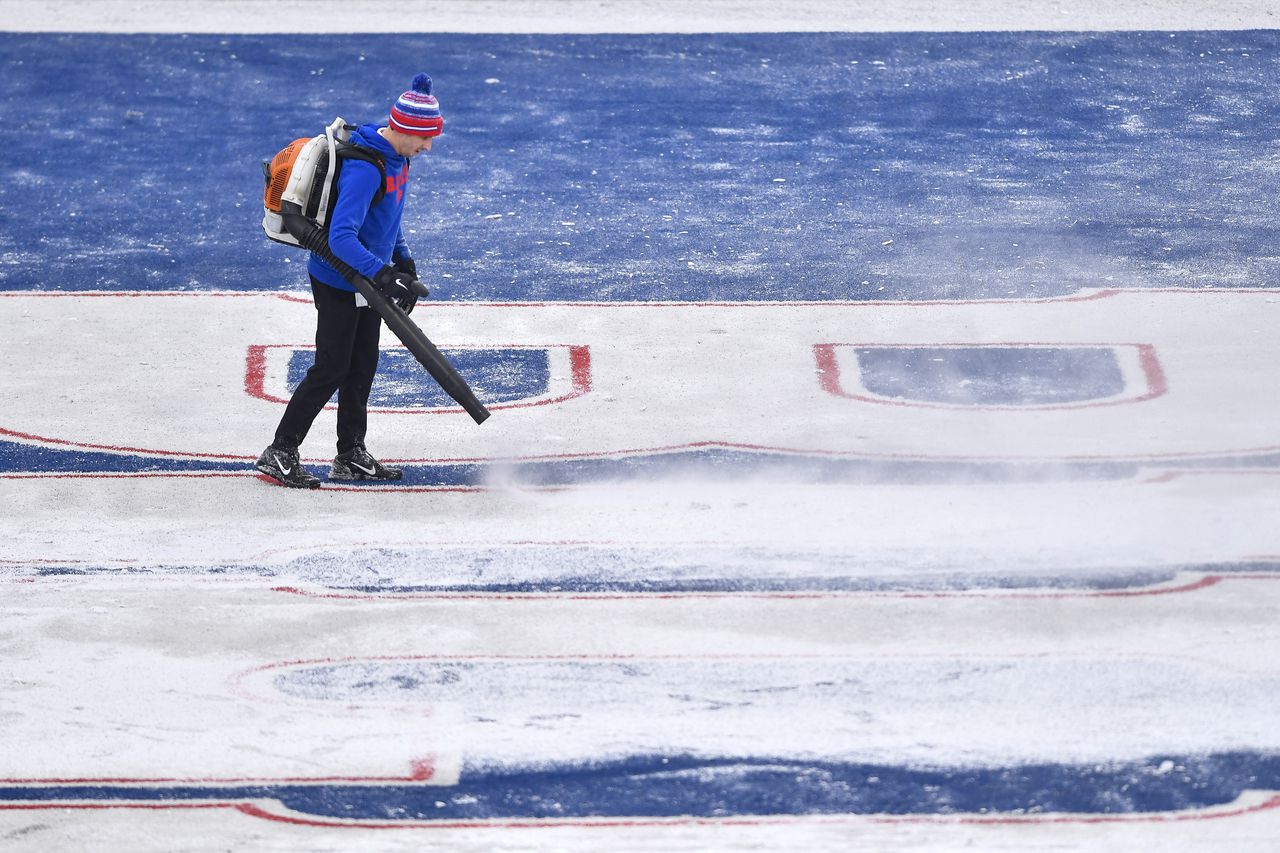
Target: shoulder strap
column 351, row 151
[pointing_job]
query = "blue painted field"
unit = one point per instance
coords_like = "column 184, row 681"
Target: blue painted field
column 607, row 167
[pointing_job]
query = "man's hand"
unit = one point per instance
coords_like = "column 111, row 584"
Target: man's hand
column 394, row 284
column 405, row 264
column 400, row 286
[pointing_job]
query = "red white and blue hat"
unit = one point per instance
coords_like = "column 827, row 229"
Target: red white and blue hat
column 416, row 112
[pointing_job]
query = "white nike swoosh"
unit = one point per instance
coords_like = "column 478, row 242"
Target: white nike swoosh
column 368, row 471
column 283, row 470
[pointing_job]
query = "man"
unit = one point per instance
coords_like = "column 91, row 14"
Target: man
column 366, row 236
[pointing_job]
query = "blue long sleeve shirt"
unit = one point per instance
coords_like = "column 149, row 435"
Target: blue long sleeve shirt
column 365, row 238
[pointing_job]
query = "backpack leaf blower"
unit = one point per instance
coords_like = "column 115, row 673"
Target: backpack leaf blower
column 301, row 186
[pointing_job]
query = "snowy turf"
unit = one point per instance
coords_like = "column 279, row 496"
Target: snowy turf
column 794, row 527
column 627, row 16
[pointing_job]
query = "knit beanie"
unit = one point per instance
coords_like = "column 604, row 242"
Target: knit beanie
column 416, row 112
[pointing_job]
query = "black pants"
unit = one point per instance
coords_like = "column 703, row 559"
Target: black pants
column 346, row 360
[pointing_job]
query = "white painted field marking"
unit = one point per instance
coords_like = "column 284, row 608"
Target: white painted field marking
column 662, row 376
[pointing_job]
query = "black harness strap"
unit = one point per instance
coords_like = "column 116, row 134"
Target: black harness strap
column 351, row 151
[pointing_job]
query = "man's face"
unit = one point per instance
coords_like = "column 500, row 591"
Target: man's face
column 415, row 145
column 405, row 144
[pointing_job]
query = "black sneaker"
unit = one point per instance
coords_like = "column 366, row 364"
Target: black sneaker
column 285, row 468
column 357, row 464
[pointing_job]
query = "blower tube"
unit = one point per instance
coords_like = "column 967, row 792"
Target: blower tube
column 311, row 236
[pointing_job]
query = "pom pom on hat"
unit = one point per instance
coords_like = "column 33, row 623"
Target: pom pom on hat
column 417, row 112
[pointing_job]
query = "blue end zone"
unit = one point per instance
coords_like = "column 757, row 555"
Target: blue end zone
column 682, row 167
column 683, row 786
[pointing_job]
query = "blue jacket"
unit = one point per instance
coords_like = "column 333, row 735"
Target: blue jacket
column 366, row 238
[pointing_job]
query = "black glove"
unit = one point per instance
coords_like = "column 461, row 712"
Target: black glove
column 400, row 287
column 392, row 283
column 405, row 264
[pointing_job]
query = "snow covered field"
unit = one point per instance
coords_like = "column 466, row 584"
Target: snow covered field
column 883, row 455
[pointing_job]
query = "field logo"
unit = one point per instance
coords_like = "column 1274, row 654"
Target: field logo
column 503, row 377
column 991, row 376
